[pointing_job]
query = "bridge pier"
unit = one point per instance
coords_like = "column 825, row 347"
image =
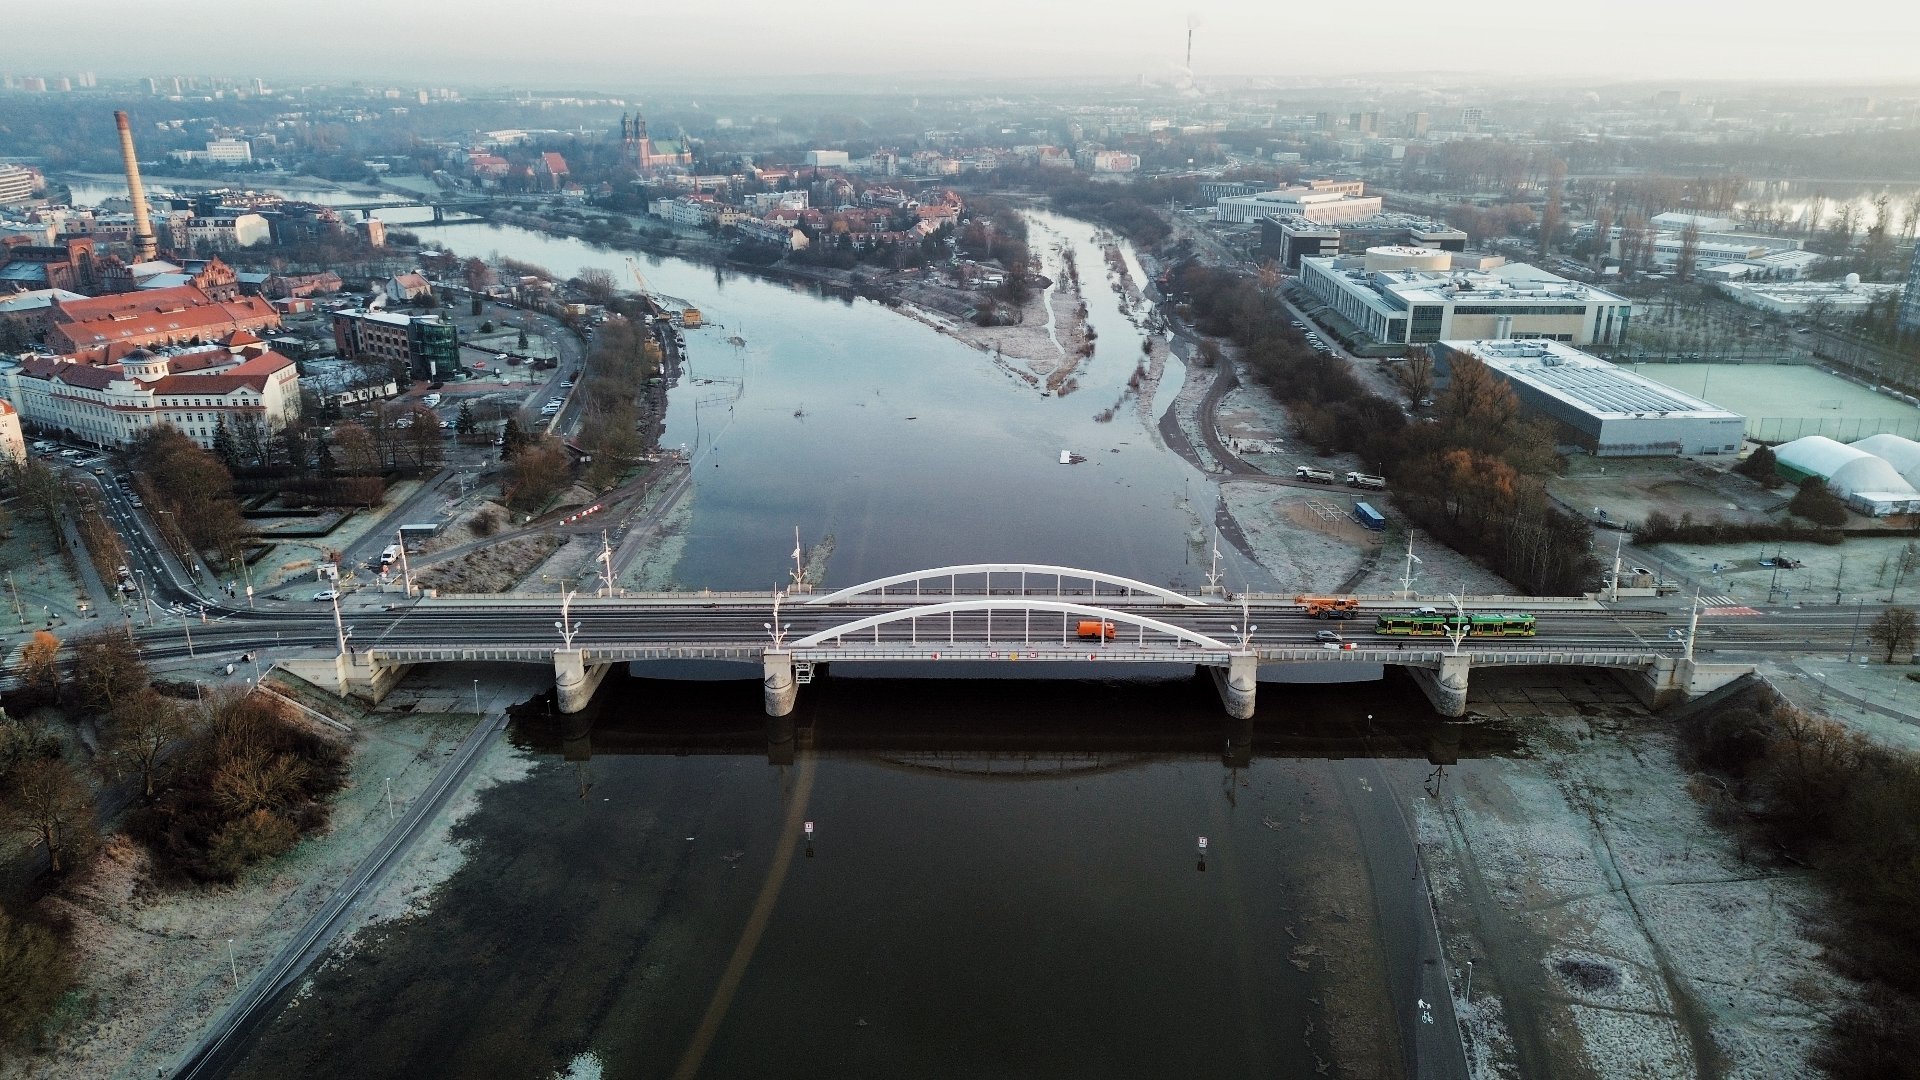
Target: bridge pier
column 1671, row 680
column 781, row 690
column 1237, row 683
column 1447, row 687
column 575, row 680
column 358, row 675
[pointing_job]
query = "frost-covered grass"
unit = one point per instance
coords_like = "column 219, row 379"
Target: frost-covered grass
column 1618, row 933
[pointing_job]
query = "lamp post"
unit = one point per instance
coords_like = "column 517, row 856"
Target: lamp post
column 1458, row 631
column 339, row 627
column 1618, row 545
column 566, row 625
column 246, row 573
column 476, row 696
column 1859, row 606
column 1246, row 620
column 187, row 629
column 16, row 599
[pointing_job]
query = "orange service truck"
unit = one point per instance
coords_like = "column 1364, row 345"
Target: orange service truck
column 1096, row 629
column 1328, row 607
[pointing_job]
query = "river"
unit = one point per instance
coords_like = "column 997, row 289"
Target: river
column 1006, row 877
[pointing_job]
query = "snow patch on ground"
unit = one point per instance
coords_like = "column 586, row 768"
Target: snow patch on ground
column 1609, row 917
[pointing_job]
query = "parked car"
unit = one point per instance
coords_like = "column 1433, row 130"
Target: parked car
column 327, row 594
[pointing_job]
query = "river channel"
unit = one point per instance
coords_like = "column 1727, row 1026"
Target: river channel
column 1005, row 877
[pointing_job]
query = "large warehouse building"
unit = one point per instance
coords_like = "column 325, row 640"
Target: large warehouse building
column 1610, row 411
column 1879, row 475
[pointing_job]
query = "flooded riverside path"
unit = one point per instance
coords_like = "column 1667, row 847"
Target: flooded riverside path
column 1005, row 878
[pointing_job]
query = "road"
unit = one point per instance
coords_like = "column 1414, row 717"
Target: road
column 224, row 1037
column 737, row 625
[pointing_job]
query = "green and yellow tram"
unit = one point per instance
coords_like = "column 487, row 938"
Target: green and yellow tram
column 1479, row 624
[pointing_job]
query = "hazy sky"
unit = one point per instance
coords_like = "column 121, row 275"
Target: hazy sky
column 616, row 44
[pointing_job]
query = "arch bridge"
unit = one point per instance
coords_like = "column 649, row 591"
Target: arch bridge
column 977, row 612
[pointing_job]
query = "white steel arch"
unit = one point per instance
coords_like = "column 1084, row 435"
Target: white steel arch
column 1010, row 604
column 1062, row 573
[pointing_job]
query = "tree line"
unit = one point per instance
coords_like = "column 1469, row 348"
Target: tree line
column 218, row 781
column 1472, row 476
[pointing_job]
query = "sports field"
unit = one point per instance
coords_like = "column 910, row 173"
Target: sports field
column 1782, row 401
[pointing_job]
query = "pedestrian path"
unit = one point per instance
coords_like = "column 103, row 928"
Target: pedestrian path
column 1719, row 601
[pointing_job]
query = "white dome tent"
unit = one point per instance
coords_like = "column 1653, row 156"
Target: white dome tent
column 1868, row 483
column 1902, row 454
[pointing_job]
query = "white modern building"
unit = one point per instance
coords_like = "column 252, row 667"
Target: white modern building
column 827, row 159
column 1849, row 297
column 1392, row 305
column 16, row 184
column 1609, row 410
column 1322, row 205
column 230, row 152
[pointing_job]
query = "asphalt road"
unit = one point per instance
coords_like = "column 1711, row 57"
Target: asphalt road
column 690, row 619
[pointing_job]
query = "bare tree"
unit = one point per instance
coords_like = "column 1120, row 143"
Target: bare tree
column 1416, row 375
column 52, row 805
column 107, row 670
column 1894, row 631
column 1689, row 251
column 141, row 729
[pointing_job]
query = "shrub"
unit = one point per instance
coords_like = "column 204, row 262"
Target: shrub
column 243, row 842
column 1818, row 505
column 1759, row 467
column 246, row 762
column 35, row 971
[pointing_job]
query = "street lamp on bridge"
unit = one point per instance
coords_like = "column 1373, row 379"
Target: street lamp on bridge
column 566, row 625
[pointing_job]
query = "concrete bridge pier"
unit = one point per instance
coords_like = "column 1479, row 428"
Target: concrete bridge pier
column 1237, row 683
column 1447, row 687
column 355, row 675
column 575, row 680
column 781, row 690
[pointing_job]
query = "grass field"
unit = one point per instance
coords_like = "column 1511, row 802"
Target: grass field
column 1784, row 402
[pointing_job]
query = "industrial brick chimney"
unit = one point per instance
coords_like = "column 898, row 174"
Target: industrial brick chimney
column 143, row 242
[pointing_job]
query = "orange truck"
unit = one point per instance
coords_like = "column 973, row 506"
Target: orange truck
column 1096, row 630
column 1328, row 607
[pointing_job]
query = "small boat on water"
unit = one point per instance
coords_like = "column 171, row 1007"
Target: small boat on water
column 1068, row 457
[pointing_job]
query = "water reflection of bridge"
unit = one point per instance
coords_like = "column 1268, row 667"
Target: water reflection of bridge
column 1003, row 754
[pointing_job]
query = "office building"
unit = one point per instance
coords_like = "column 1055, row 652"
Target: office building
column 16, row 184
column 428, row 348
column 1391, row 304
column 1325, row 202
column 1287, row 240
column 1608, row 410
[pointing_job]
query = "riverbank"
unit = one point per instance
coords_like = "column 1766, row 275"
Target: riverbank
column 1613, row 931
column 158, row 963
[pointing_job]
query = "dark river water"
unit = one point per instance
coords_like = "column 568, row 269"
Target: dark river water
column 1005, row 877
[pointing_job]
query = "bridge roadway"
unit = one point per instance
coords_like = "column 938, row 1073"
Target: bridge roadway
column 1025, row 626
